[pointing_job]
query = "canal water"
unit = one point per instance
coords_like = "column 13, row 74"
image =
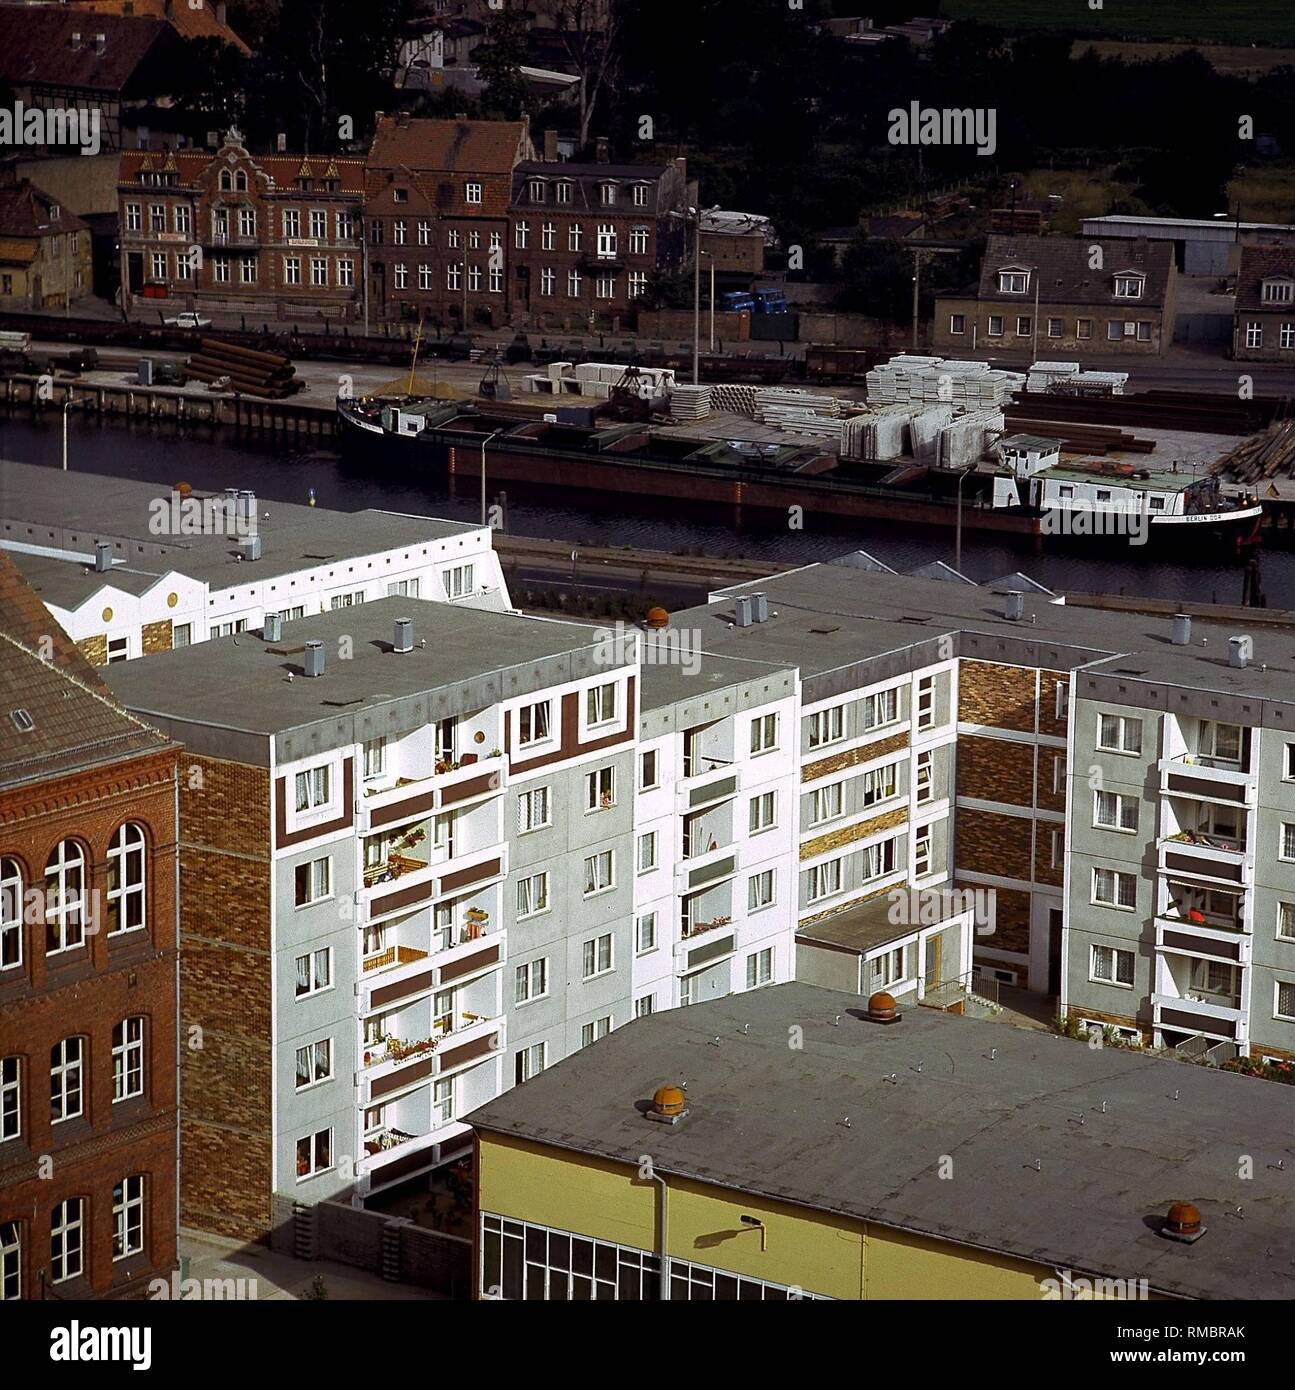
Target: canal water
column 285, row 469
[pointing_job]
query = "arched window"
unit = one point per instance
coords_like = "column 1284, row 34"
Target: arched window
column 240, row 181
column 10, row 914
column 65, row 898
column 226, row 181
column 128, row 1059
column 66, row 1079
column 126, row 860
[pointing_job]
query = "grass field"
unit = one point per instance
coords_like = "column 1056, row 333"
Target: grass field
column 1228, row 58
column 1213, row 21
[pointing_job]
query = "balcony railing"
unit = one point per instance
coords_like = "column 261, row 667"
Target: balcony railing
column 393, row 955
column 1207, row 780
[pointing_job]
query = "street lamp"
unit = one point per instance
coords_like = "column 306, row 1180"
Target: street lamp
column 484, row 442
column 67, row 405
column 957, row 543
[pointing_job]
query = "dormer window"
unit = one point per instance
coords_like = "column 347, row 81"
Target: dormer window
column 1013, row 280
column 1278, row 291
column 1128, row 286
column 640, row 195
column 537, row 190
column 607, row 194
column 564, row 191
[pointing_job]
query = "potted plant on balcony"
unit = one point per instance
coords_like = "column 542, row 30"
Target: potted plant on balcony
column 496, row 752
column 475, row 920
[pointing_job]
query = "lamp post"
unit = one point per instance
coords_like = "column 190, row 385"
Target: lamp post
column 696, row 296
column 67, row 405
column 957, row 543
column 484, row 442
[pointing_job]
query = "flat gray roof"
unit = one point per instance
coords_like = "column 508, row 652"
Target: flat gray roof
column 863, row 928
column 667, row 680
column 242, row 683
column 46, row 507
column 826, row 617
column 1117, row 1136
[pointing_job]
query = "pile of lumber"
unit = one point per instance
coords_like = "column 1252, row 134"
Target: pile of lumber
column 1080, row 438
column 1267, row 455
column 269, row 375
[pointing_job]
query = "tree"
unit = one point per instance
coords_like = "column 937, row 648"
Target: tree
column 499, row 63
column 590, row 32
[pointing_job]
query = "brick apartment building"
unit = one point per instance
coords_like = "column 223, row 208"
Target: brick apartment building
column 1101, row 297
column 88, row 944
column 586, row 238
column 436, row 218
column 262, row 235
column 1265, row 309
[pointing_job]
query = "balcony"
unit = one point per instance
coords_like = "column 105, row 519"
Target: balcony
column 1221, row 943
column 1191, row 1015
column 1207, row 780
column 1203, row 856
column 706, row 782
column 393, row 1156
column 453, row 788
column 703, row 870
column 395, row 1065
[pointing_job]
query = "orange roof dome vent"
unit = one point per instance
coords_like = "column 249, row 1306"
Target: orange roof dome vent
column 1183, row 1222
column 883, row 1009
column 657, row 618
column 669, row 1105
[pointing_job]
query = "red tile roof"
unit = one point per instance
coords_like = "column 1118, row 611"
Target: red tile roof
column 284, row 169
column 36, row 47
column 469, row 147
column 25, row 213
column 1260, row 263
column 189, row 23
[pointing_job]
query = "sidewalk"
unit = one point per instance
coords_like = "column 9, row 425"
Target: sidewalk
column 266, row 1274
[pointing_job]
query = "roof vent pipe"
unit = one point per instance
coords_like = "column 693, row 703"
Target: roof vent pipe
column 272, row 628
column 761, row 607
column 743, row 610
column 314, row 658
column 404, row 636
column 1240, row 650
column 1015, row 609
column 1182, row 630
column 102, row 556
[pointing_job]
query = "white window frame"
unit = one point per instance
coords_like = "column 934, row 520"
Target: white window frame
column 11, row 914
column 825, row 727
column 593, row 873
column 645, row 933
column 534, row 888
column 646, row 857
column 1115, row 955
column 319, row 882
column 756, row 822
column 764, row 734
column 64, row 909
column 598, row 956
column 10, row 1098
column 540, row 712
column 825, row 880
column 759, row 968
column 316, row 1168
column 602, row 704
column 312, row 969
column 600, row 789
column 1118, row 879
column 1126, row 724
column 67, row 1079
column 761, row 891
column 318, row 1062
column 1123, row 812
column 67, row 1240
column 527, row 802
column 128, row 1059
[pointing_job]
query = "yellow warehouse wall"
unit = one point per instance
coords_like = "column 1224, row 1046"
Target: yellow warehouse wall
column 816, row 1251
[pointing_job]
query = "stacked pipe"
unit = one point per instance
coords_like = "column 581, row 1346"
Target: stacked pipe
column 250, row 372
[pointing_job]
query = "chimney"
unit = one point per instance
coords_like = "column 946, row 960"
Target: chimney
column 602, row 150
column 1240, row 650
column 231, row 503
column 550, row 146
column 102, row 556
column 314, row 658
column 247, row 505
column 272, row 628
column 743, row 607
column 1015, row 608
column 403, row 641
column 760, row 604
column 1182, row 630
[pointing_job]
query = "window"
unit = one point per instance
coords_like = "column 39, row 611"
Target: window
column 922, row 851
column 1083, row 328
column 564, row 191
column 600, row 704
column 314, row 1154
column 827, row 803
column 375, row 758
column 644, row 1005
column 400, row 276
column 881, row 709
column 640, row 195
column 1056, row 328
column 880, row 784
column 599, row 873
column 534, row 810
column 575, row 235
column 319, row 272
column 547, row 281
column 118, row 649
column 607, row 194
column 887, row 968
column 645, row 933
column 1110, row 965
column 458, row 581
column 443, row 1101
column 292, row 224
column 1278, row 291
column 11, row 914
column 596, row 956
column 1115, row 330
column 1284, row 1002
column 764, row 733
column 126, row 880
column 532, row 895
column 66, row 1079
column 156, row 217
column 591, row 1032
column 957, row 323
column 925, row 787
column 606, row 239
column 548, row 236
column 1013, row 281
column 314, row 1063
column 1287, row 841
column 522, row 235
column 1058, row 843
column 65, row 898
column 759, row 891
column 376, row 231
column 1287, row 336
column 314, row 972
column 1058, row 773
column 531, row 981
column 472, row 193
column 1128, row 287
column 128, row 1059
column 828, row 726
column 247, row 269
column 10, row 1262
column 453, row 277
column 133, row 217
column 313, row 881
column 1114, row 812
column 823, row 880
column 639, row 241
column 536, row 189
column 638, row 282
column 600, row 789
column 529, row 1062
column 1118, row 734
column 648, row 771
column 128, row 1217
column 1113, row 889
column 763, row 812
column 647, row 852
column 319, row 224
column 10, row 1098
column 66, row 1239
column 926, row 702
column 573, row 284
column 878, row 859
column 1144, row 331
column 452, row 239
column 759, row 968
column 313, row 789
column 1286, row 921
column 533, row 723
column 995, row 326
column 1024, row 327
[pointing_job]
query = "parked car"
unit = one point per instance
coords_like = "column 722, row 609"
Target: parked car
column 188, row 319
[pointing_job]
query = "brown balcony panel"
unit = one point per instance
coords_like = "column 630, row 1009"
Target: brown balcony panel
column 1183, row 941
column 402, row 989
column 460, row 1144
column 457, row 969
column 466, row 877
column 1192, row 864
column 1198, row 1023
column 479, row 1047
column 401, row 897
column 402, row 810
column 405, row 1165
column 476, row 786
column 1198, row 786
column 416, row 1070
